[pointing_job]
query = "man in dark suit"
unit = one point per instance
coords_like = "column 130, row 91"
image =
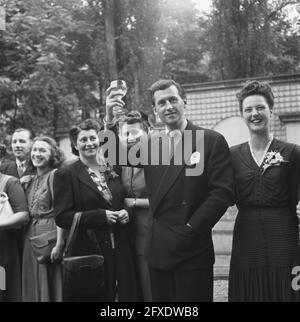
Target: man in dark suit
column 184, row 206
column 21, row 144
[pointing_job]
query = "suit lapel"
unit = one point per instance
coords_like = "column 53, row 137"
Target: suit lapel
column 85, row 178
column 28, row 171
column 170, row 175
column 246, row 156
column 14, row 169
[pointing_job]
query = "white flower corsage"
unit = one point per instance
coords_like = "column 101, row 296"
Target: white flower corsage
column 25, row 180
column 272, row 159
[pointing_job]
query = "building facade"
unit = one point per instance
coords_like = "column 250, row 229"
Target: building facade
column 214, row 106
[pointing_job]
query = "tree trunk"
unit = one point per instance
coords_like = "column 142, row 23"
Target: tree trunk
column 149, row 52
column 110, row 38
column 150, row 66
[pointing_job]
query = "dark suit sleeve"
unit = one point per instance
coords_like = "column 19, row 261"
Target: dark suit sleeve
column 65, row 204
column 16, row 195
column 4, row 168
column 220, row 185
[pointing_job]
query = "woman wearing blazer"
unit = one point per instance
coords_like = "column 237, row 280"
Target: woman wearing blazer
column 95, row 190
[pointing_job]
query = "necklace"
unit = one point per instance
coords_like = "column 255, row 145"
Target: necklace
column 259, row 162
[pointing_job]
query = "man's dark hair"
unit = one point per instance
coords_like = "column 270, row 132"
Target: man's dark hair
column 256, row 88
column 21, row 129
column 86, row 125
column 163, row 84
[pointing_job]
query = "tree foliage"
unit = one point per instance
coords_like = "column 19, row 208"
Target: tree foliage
column 184, row 51
column 251, row 38
column 57, row 57
column 46, row 47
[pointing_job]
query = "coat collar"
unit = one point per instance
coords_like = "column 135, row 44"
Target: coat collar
column 85, row 178
column 247, row 158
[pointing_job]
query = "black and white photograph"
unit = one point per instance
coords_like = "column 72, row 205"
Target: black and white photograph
column 149, row 153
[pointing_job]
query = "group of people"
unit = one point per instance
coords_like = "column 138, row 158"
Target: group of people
column 27, row 181
column 44, row 199
column 152, row 221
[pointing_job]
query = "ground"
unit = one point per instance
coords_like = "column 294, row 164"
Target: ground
column 220, row 290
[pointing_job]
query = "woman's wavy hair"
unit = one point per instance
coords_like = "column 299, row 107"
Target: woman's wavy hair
column 256, row 88
column 85, row 125
column 134, row 117
column 57, row 157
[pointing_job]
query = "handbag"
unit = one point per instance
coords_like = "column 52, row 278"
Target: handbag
column 82, row 275
column 5, row 207
column 43, row 244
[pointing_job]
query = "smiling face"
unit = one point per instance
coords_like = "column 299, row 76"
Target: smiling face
column 169, row 106
column 41, row 155
column 131, row 133
column 256, row 113
column 87, row 144
column 21, row 144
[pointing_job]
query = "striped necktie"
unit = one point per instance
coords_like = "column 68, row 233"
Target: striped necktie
column 174, row 138
column 21, row 168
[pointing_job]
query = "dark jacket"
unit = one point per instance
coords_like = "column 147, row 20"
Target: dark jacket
column 74, row 191
column 10, row 168
column 177, row 199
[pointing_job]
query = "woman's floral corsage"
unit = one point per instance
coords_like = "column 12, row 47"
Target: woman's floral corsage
column 109, row 171
column 272, row 159
column 106, row 168
column 25, row 181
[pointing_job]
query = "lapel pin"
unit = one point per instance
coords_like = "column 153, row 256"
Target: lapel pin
column 195, row 158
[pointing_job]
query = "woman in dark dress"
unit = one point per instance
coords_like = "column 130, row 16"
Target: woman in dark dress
column 94, row 189
column 10, row 267
column 265, row 237
column 131, row 128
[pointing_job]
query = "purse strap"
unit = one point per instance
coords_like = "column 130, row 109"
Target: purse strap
column 72, row 234
column 51, row 179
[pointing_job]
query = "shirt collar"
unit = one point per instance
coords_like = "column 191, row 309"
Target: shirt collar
column 181, row 129
column 21, row 163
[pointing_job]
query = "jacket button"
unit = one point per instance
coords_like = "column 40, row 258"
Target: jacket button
column 184, row 202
